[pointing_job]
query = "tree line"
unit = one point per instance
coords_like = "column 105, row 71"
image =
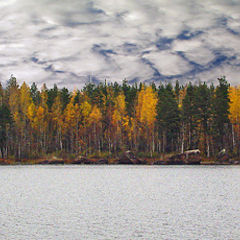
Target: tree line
column 111, row 118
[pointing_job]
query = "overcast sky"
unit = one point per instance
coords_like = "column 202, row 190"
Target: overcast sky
column 69, row 42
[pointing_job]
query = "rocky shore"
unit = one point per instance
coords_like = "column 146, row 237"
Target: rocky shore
column 191, row 157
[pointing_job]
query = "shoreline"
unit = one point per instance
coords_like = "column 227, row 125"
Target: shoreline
column 10, row 162
column 191, row 157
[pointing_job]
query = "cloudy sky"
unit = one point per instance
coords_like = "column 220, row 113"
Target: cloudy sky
column 69, row 42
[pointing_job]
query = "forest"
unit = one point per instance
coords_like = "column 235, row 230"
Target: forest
column 106, row 119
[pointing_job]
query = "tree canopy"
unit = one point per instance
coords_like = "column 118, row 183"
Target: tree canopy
column 110, row 118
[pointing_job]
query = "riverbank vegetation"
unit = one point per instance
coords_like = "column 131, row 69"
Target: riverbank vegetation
column 107, row 119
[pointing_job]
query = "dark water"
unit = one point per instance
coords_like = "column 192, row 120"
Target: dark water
column 119, row 202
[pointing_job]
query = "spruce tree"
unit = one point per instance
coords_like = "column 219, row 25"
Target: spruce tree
column 189, row 116
column 5, row 120
column 203, row 105
column 52, row 94
column 65, row 97
column 35, row 94
column 221, row 121
column 168, row 117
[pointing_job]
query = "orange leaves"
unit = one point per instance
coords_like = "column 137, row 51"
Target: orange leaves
column 120, row 104
column 37, row 117
column 130, row 125
column 119, row 110
column 31, row 114
column 70, row 114
column 40, row 113
column 14, row 99
column 146, row 107
column 19, row 102
column 95, row 115
column 85, row 109
column 76, row 113
column 234, row 95
column 25, row 98
column 57, row 110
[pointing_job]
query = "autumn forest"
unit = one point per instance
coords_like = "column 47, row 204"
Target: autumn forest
column 109, row 118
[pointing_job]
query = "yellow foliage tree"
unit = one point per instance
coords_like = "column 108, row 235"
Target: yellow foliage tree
column 146, row 107
column 85, row 110
column 234, row 95
column 119, row 112
column 234, row 112
column 14, row 100
column 119, row 120
column 95, row 127
column 70, row 114
column 31, row 114
column 57, row 120
column 146, row 114
column 76, row 118
column 95, row 115
column 25, row 99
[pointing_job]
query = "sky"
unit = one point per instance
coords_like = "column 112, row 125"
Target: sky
column 71, row 42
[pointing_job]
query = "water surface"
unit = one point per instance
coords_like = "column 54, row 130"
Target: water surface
column 119, row 202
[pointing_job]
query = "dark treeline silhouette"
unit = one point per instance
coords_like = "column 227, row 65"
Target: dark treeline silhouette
column 107, row 119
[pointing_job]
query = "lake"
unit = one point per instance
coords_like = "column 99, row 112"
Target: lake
column 119, row 202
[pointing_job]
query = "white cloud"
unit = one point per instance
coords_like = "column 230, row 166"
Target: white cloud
column 194, row 50
column 231, row 73
column 168, row 63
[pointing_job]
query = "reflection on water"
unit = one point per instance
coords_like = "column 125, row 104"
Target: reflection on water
column 119, row 202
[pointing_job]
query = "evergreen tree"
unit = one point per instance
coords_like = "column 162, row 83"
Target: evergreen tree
column 5, row 120
column 52, row 94
column 113, row 117
column 130, row 93
column 168, row 117
column 35, row 94
column 189, row 117
column 177, row 91
column 203, row 105
column 221, row 121
column 1, row 94
column 65, row 97
column 11, row 84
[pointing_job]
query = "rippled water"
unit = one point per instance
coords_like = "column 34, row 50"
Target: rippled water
column 119, row 202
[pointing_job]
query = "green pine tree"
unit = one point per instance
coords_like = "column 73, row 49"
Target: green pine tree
column 168, row 118
column 220, row 114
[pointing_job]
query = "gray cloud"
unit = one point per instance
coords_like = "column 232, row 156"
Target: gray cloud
column 69, row 42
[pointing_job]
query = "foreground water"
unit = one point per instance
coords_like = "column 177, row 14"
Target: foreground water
column 119, row 202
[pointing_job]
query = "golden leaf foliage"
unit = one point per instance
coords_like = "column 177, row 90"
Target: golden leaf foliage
column 95, row 115
column 119, row 112
column 14, row 99
column 130, row 126
column 25, row 99
column 146, row 107
column 40, row 114
column 234, row 95
column 31, row 114
column 71, row 114
column 85, row 110
column 57, row 110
